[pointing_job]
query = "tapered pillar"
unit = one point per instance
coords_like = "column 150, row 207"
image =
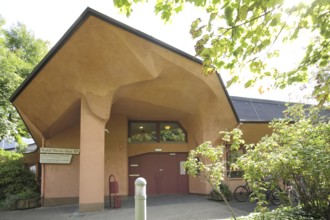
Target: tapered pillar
column 95, row 113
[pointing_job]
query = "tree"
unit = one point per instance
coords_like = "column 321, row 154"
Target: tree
column 298, row 152
column 207, row 163
column 247, row 34
column 20, row 52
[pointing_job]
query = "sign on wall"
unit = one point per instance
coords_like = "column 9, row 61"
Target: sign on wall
column 57, row 155
column 59, row 151
column 56, row 158
column 182, row 169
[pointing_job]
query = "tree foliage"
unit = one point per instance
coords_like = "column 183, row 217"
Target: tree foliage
column 206, row 161
column 239, row 35
column 15, row 178
column 20, row 52
column 298, row 152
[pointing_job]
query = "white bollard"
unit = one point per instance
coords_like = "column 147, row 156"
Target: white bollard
column 140, row 199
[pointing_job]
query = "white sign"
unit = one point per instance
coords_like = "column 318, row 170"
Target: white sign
column 182, row 169
column 58, row 151
column 55, row 158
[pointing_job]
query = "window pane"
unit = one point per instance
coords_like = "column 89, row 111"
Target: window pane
column 232, row 158
column 172, row 132
column 142, row 132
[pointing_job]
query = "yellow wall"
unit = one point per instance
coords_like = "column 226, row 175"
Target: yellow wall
column 62, row 180
column 116, row 162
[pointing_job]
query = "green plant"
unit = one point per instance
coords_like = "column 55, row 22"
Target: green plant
column 224, row 189
column 298, row 150
column 10, row 200
column 282, row 213
column 28, row 194
column 20, row 52
column 16, row 180
column 206, row 161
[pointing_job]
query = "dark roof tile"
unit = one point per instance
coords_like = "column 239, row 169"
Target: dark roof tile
column 257, row 110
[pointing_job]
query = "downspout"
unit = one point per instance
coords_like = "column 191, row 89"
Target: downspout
column 42, row 175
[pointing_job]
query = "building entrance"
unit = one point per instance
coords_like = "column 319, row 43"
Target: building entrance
column 164, row 173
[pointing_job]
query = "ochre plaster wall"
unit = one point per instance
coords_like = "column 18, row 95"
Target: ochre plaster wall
column 62, row 180
column 116, row 162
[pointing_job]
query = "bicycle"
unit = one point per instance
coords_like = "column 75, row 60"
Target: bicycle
column 291, row 193
column 243, row 192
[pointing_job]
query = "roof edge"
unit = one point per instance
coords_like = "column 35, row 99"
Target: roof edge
column 228, row 97
column 254, row 122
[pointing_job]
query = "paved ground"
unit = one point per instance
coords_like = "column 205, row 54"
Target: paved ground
column 180, row 207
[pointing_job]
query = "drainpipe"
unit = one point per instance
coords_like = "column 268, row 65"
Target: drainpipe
column 42, row 175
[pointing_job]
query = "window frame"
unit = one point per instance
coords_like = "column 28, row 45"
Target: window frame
column 228, row 170
column 158, row 123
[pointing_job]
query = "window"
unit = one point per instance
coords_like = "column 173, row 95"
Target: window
column 156, row 132
column 232, row 158
column 142, row 132
column 171, row 132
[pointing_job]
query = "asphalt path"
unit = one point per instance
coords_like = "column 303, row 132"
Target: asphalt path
column 172, row 207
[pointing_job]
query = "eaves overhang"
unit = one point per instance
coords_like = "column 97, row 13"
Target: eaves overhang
column 100, row 52
column 83, row 17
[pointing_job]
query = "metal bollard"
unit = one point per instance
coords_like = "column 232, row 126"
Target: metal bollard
column 140, row 199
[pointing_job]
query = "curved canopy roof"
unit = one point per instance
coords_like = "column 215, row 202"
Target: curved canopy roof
column 146, row 79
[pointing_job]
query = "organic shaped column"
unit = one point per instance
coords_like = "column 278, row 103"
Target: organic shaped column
column 95, row 112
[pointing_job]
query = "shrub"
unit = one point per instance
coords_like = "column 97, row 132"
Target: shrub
column 298, row 152
column 16, row 180
column 282, row 213
column 225, row 191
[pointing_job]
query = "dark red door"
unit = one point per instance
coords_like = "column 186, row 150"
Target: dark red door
column 163, row 172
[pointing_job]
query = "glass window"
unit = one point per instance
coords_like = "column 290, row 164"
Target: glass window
column 171, row 132
column 232, row 158
column 156, row 131
column 142, row 132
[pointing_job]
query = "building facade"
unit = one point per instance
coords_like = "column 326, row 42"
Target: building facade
column 111, row 100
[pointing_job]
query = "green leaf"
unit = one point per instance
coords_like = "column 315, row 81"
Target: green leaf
column 249, row 83
column 233, row 80
column 229, row 15
column 20, row 52
column 275, row 20
column 243, row 12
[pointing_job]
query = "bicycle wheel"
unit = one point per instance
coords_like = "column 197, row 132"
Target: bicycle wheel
column 241, row 194
column 275, row 197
